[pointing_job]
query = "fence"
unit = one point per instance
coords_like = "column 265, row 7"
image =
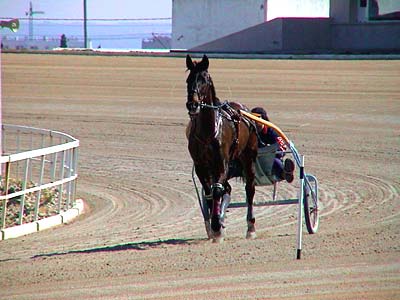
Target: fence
column 38, row 174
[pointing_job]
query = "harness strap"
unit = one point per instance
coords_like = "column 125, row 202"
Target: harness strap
column 236, row 118
column 235, row 143
column 226, row 111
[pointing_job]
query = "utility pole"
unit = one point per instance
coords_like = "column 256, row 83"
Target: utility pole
column 85, row 45
column 30, row 14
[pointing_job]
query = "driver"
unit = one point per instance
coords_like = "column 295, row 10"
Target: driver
column 267, row 136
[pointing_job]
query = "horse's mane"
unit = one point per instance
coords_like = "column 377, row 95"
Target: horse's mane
column 214, row 93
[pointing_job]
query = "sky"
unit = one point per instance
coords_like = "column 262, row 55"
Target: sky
column 132, row 9
column 108, row 9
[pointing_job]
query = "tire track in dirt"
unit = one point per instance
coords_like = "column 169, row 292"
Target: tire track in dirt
column 150, row 210
column 357, row 195
column 170, row 211
column 162, row 209
column 368, row 198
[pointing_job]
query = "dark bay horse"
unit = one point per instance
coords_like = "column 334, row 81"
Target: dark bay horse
column 219, row 137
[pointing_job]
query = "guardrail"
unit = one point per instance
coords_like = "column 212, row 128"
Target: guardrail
column 38, row 171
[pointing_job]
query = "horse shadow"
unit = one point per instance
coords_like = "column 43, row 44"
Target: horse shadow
column 137, row 246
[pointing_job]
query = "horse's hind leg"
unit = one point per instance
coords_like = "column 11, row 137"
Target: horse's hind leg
column 248, row 163
column 251, row 220
column 250, row 191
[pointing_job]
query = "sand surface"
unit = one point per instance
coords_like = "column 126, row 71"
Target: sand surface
column 142, row 236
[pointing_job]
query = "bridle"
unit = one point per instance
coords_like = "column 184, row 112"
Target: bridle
column 198, row 85
column 196, row 88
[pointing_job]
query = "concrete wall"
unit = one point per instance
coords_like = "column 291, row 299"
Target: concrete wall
column 195, row 22
column 339, row 34
column 343, row 11
column 302, row 35
column 282, row 35
column 366, row 37
column 255, row 39
column 306, row 35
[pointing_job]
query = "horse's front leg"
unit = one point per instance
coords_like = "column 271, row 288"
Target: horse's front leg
column 217, row 192
column 206, row 199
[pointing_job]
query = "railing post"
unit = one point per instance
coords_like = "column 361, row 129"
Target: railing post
column 30, row 161
column 39, row 193
column 53, row 167
column 3, row 142
column 22, row 204
column 75, row 166
column 18, row 146
column 61, row 185
column 4, row 208
column 69, row 163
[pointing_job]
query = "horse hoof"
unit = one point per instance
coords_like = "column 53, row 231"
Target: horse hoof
column 251, row 229
column 218, row 240
column 208, row 229
column 251, row 235
column 218, row 236
column 216, row 225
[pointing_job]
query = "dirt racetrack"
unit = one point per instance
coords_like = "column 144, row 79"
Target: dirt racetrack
column 142, row 236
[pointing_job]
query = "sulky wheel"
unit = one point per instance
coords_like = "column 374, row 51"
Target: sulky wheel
column 310, row 202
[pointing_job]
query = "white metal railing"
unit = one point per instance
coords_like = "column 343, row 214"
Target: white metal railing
column 39, row 160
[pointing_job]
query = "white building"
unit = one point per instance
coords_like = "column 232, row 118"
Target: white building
column 286, row 26
column 195, row 22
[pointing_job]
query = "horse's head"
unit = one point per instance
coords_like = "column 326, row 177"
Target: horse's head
column 199, row 84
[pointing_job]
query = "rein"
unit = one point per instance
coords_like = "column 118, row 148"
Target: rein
column 217, row 107
column 202, row 104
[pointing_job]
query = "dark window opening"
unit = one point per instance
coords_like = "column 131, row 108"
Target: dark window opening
column 363, row 3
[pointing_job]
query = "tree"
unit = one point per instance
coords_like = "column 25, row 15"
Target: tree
column 63, row 42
